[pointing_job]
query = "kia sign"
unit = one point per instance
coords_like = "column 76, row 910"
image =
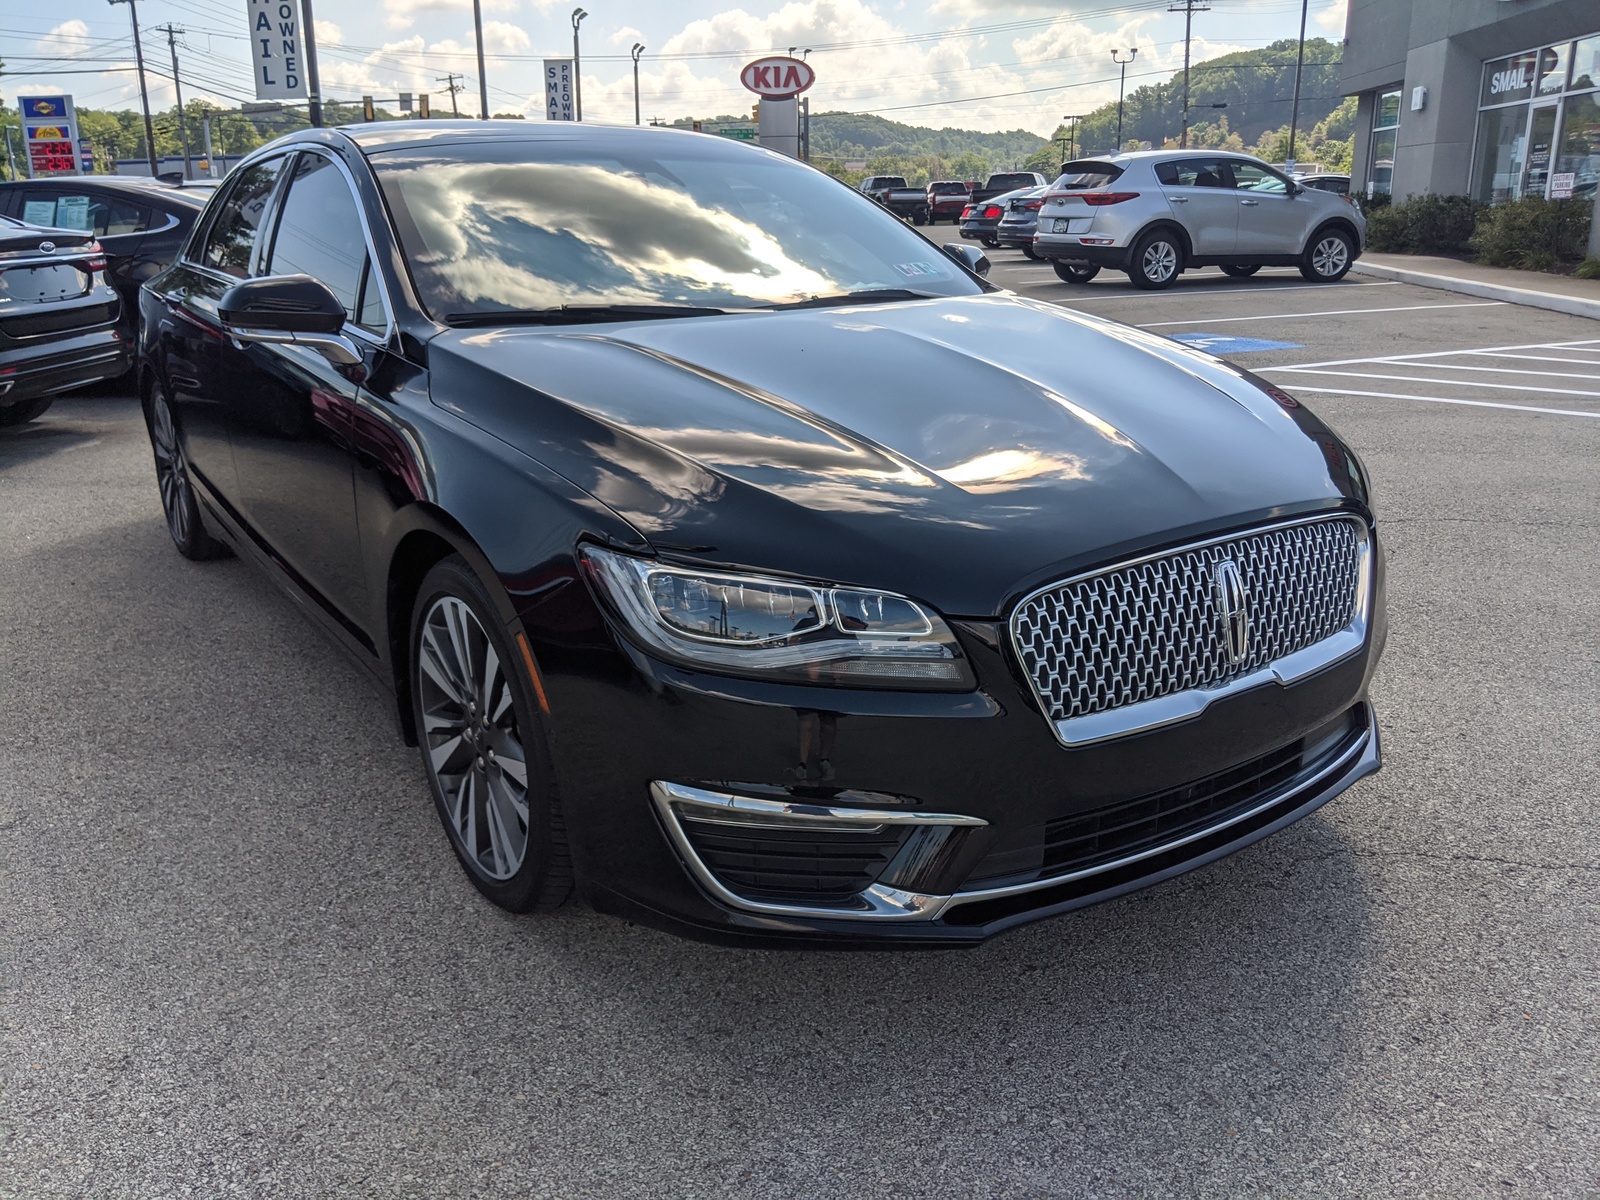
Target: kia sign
column 778, row 77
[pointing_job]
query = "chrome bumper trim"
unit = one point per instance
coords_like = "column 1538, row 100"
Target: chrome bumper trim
column 881, row 903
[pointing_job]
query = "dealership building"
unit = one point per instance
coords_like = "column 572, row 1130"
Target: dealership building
column 1494, row 99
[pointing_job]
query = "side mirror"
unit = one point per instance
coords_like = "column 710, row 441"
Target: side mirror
column 288, row 310
column 970, row 257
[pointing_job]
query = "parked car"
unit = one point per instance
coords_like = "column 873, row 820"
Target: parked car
column 58, row 318
column 946, row 198
column 1156, row 213
column 1004, row 183
column 737, row 556
column 1019, row 220
column 981, row 222
column 140, row 222
column 1339, row 185
column 893, row 193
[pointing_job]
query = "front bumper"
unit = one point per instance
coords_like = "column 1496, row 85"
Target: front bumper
column 662, row 769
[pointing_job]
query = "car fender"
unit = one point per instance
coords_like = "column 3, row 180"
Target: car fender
column 1341, row 224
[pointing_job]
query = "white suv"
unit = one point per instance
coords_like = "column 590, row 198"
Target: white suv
column 1155, row 213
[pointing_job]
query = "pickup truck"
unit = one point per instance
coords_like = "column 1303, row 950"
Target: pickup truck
column 1008, row 181
column 891, row 192
column 946, row 198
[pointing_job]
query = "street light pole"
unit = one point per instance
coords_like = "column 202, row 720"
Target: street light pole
column 144, row 92
column 308, row 27
column 638, row 49
column 1116, row 57
column 1299, row 64
column 577, row 69
column 483, row 76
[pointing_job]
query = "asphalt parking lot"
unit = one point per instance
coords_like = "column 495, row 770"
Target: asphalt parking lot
column 239, row 958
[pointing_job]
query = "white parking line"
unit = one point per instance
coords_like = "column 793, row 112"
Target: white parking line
column 1338, row 312
column 1489, row 350
column 1504, row 387
column 1240, row 290
column 1444, row 366
column 1560, row 412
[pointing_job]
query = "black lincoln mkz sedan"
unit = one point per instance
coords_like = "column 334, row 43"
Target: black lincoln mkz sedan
column 742, row 559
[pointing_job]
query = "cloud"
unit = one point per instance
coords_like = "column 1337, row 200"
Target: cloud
column 329, row 34
column 1332, row 18
column 402, row 14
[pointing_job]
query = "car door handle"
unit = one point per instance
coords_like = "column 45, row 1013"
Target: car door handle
column 1179, row 199
column 1251, row 203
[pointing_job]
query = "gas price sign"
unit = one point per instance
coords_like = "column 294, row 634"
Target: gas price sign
column 50, row 132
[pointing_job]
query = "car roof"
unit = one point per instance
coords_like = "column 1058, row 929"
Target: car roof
column 133, row 185
column 383, row 136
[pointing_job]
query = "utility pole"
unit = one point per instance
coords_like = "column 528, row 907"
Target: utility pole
column 177, row 86
column 483, row 78
column 1299, row 64
column 1072, row 136
column 638, row 49
column 451, row 86
column 1117, row 58
column 144, row 92
column 578, row 15
column 1188, row 8
column 308, row 26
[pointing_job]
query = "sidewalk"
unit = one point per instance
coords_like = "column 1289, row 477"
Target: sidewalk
column 1558, row 293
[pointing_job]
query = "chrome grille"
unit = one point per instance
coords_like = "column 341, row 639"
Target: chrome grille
column 1156, row 627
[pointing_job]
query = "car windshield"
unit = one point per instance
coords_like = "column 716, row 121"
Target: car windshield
column 659, row 219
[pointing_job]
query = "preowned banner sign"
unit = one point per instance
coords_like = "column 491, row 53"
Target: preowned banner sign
column 558, row 101
column 50, row 132
column 275, row 49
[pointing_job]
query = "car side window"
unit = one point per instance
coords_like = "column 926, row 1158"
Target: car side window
column 104, row 215
column 232, row 238
column 371, row 313
column 1193, row 172
column 1252, row 178
column 320, row 233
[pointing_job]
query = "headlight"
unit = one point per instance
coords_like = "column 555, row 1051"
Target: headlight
column 777, row 628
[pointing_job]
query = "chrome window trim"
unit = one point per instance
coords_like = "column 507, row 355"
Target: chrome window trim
column 1161, row 711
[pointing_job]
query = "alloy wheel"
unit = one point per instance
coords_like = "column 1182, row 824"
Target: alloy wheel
column 172, row 473
column 473, row 746
column 1330, row 257
column 1160, row 261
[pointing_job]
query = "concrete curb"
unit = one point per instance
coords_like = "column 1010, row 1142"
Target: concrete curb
column 1576, row 306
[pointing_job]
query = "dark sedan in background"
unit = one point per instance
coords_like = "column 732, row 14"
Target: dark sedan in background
column 981, row 222
column 1020, row 221
column 58, row 318
column 141, row 223
column 740, row 557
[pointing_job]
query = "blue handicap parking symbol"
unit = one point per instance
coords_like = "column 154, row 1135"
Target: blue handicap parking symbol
column 1223, row 343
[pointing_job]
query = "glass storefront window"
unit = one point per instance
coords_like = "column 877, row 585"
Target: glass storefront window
column 1586, row 63
column 1385, row 133
column 1502, row 149
column 1508, row 79
column 1541, row 134
column 1578, row 154
column 1552, row 76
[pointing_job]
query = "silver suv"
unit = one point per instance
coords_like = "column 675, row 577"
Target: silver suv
column 1154, row 213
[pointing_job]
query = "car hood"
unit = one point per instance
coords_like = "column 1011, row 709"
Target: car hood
column 960, row 451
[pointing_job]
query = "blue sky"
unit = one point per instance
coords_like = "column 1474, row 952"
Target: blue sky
column 941, row 62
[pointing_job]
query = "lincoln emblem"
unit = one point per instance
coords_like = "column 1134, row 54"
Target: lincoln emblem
column 1233, row 607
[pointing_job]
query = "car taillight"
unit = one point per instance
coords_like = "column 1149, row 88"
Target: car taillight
column 991, row 211
column 1101, row 199
column 1031, row 205
column 966, row 212
column 97, row 257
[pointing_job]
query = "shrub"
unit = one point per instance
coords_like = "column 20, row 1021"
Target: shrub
column 1423, row 225
column 1533, row 233
column 1589, row 268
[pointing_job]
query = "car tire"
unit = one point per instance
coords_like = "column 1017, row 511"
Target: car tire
column 1157, row 260
column 1030, row 253
column 24, row 411
column 478, row 729
column 1239, row 272
column 1074, row 272
column 178, row 503
column 919, row 218
column 1328, row 256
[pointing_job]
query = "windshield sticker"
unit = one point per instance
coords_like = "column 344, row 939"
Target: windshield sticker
column 914, row 269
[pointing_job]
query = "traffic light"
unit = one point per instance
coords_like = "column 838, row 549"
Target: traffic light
column 755, row 112
column 422, row 107
column 367, row 110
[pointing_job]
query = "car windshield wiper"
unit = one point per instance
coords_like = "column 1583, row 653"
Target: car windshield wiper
column 866, row 296
column 579, row 314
